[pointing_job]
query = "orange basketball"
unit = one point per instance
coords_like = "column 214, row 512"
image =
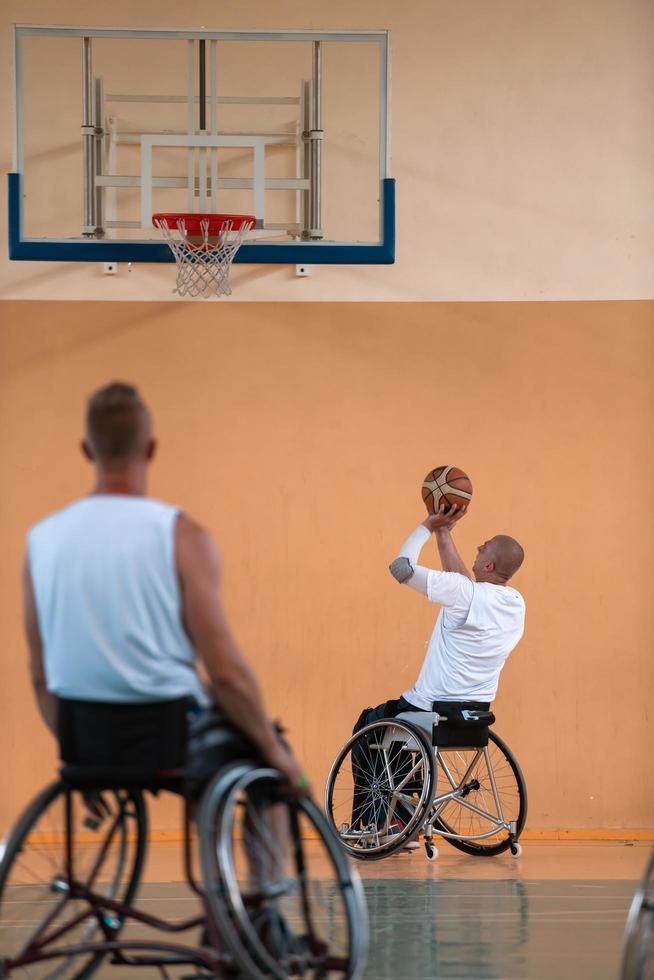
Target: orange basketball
column 446, row 483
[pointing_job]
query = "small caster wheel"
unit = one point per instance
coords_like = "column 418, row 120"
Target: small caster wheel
column 431, row 852
column 516, row 849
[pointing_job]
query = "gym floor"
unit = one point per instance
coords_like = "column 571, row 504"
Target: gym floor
column 556, row 912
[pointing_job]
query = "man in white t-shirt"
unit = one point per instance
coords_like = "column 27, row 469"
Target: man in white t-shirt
column 480, row 622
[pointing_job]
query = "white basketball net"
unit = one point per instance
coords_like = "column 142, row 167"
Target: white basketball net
column 203, row 266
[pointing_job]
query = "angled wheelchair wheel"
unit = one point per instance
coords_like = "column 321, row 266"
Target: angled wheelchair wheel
column 638, row 953
column 380, row 788
column 487, row 812
column 278, row 885
column 109, row 849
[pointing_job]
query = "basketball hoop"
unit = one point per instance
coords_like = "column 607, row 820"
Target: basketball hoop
column 204, row 246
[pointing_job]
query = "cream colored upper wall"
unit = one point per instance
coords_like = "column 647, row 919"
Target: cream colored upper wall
column 522, row 147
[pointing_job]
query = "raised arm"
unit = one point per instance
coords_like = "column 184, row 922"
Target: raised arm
column 233, row 681
column 441, row 524
column 405, row 567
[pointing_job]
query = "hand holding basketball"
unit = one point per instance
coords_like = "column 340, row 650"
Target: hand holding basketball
column 446, row 516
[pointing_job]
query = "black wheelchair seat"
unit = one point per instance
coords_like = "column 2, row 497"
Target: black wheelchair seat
column 454, row 724
column 123, row 777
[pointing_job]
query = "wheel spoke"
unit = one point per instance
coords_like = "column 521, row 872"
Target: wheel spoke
column 489, row 796
column 385, row 774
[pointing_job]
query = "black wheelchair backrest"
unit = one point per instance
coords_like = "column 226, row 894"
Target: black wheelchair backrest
column 147, row 736
column 462, row 723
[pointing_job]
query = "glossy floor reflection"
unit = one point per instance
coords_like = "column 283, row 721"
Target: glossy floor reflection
column 555, row 913
column 505, row 929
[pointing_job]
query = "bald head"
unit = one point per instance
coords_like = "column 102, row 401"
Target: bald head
column 507, row 554
column 118, row 426
column 497, row 560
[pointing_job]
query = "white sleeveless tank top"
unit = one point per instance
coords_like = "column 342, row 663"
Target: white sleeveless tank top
column 109, row 604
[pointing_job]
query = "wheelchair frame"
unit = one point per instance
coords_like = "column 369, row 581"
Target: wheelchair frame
column 428, row 820
column 98, row 905
column 439, row 802
column 109, row 915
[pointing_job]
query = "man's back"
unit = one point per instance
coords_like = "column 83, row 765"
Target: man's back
column 481, row 621
column 120, row 591
column 108, row 600
column 476, row 630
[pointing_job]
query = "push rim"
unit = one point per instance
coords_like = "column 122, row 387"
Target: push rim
column 295, row 909
column 395, row 786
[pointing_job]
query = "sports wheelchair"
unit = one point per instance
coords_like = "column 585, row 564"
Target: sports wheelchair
column 442, row 772
column 275, row 896
column 638, row 950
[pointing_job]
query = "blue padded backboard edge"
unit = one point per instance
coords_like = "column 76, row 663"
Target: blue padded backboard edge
column 300, row 253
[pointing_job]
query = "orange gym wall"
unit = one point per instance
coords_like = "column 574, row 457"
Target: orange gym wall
column 299, row 434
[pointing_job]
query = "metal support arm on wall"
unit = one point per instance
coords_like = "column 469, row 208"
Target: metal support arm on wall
column 91, row 135
column 313, row 136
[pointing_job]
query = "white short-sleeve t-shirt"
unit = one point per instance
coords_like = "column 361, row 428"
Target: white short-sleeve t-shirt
column 476, row 630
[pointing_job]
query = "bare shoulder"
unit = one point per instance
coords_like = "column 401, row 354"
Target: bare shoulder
column 194, row 546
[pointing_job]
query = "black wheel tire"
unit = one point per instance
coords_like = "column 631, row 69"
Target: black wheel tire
column 478, row 848
column 638, row 941
column 396, row 845
column 21, row 830
column 210, row 819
